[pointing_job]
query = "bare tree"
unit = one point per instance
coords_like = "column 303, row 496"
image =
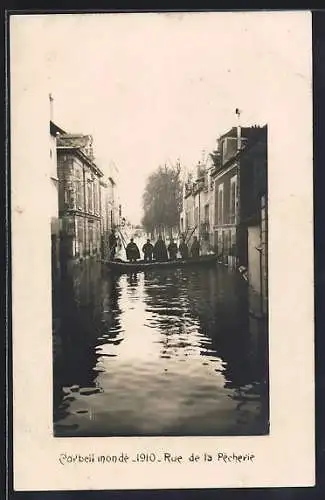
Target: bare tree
column 162, row 200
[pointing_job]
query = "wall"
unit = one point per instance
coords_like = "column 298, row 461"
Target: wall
column 79, row 207
column 54, row 209
column 105, row 219
column 225, row 238
column 264, row 248
column 194, row 211
column 53, row 175
column 224, row 179
column 254, row 258
column 189, row 213
column 229, row 148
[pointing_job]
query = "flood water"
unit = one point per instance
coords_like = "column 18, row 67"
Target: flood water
column 172, row 352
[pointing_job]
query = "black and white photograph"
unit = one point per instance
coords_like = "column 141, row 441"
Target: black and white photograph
column 158, row 186
column 159, row 235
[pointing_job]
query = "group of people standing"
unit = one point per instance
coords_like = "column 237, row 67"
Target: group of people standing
column 158, row 252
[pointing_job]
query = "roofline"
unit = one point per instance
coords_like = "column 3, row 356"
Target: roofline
column 83, row 157
column 247, row 128
column 54, row 129
column 240, row 153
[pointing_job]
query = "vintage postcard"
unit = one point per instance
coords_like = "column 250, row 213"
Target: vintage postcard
column 162, row 250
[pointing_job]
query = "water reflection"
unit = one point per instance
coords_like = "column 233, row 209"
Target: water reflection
column 168, row 353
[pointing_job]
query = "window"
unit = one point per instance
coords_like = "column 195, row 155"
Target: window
column 90, row 197
column 95, row 194
column 206, row 214
column 79, row 197
column 81, row 235
column 90, row 237
column 233, row 200
column 229, row 148
column 70, row 198
column 206, row 181
column 220, row 205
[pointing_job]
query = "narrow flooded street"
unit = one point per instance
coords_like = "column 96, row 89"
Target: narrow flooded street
column 158, row 353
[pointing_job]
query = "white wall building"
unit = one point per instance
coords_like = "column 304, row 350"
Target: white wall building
column 54, row 198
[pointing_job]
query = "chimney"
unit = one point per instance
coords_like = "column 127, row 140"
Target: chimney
column 198, row 170
column 238, row 112
column 51, row 107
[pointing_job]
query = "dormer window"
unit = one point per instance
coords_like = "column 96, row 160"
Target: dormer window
column 229, row 148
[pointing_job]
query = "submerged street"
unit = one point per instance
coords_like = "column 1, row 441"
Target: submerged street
column 168, row 352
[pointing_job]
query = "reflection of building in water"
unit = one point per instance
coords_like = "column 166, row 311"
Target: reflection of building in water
column 204, row 313
column 132, row 279
column 219, row 300
column 165, row 298
column 110, row 296
column 81, row 305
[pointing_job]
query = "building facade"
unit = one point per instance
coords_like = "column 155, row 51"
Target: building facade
column 254, row 220
column 241, row 212
column 197, row 216
column 233, row 193
column 110, row 212
column 79, row 197
column 54, row 201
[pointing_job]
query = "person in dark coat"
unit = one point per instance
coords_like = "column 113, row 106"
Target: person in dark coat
column 112, row 243
column 147, row 250
column 160, row 250
column 195, row 248
column 172, row 250
column 183, row 249
column 132, row 251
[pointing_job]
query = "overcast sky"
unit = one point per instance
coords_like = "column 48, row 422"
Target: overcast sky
column 152, row 88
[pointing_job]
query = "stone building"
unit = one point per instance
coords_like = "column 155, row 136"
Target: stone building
column 197, row 212
column 240, row 192
column 79, row 197
column 229, row 177
column 254, row 220
column 109, row 212
column 54, row 200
